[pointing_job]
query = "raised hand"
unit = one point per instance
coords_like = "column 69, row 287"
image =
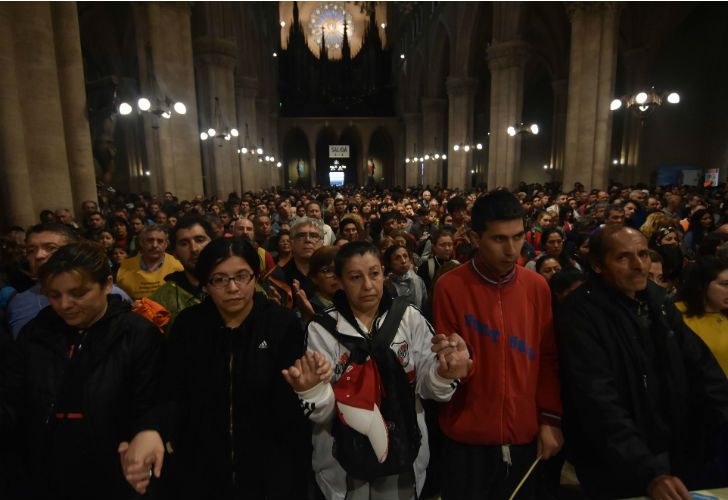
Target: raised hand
column 311, row 369
column 453, row 356
column 302, row 301
column 141, row 458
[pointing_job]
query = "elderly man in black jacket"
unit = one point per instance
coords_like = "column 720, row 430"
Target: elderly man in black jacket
column 645, row 401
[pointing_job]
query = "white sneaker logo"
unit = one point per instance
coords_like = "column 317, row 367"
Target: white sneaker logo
column 263, row 345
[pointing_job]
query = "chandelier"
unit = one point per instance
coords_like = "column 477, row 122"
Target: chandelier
column 156, row 102
column 467, row 147
column 219, row 129
column 644, row 103
column 522, row 129
column 426, row 156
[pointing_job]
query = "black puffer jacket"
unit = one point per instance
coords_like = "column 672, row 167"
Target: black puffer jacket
column 116, row 375
column 643, row 395
column 235, row 427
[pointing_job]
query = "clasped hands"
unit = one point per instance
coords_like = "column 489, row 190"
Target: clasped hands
column 452, row 355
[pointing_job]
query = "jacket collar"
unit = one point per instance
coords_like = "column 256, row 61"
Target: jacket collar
column 99, row 336
column 478, row 268
column 353, row 326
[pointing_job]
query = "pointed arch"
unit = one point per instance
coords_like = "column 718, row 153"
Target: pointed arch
column 295, row 149
column 382, row 154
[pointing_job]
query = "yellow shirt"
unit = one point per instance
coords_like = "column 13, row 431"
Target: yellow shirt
column 139, row 283
column 713, row 329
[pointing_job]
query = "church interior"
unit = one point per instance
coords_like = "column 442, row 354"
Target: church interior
column 212, row 98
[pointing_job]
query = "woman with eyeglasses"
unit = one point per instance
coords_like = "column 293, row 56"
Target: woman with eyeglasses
column 231, row 426
column 326, row 284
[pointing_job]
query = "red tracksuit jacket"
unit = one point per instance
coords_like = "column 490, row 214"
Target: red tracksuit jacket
column 513, row 385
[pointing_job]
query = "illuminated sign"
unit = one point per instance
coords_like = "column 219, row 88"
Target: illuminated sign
column 338, row 151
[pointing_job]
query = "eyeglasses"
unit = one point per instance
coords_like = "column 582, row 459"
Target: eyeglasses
column 327, row 271
column 311, row 236
column 221, row 281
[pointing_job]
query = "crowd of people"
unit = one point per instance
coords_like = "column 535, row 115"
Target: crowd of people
column 368, row 344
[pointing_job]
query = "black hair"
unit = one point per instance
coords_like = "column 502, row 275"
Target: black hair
column 549, row 231
column 456, row 204
column 387, row 257
column 542, row 259
column 694, row 291
column 187, row 222
column 565, row 279
column 88, row 258
column 221, row 249
column 353, row 249
column 495, row 206
column 47, row 216
column 66, row 231
column 440, row 233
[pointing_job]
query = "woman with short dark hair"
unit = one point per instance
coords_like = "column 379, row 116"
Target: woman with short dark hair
column 89, row 371
column 235, row 426
column 360, row 314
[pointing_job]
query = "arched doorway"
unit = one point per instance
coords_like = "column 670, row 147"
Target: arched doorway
column 381, row 156
column 296, row 158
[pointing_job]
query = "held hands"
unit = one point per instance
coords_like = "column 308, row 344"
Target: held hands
column 308, row 371
column 550, row 441
column 667, row 488
column 141, row 457
column 453, row 355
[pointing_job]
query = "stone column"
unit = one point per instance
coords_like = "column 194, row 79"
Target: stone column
column 215, row 63
column 558, row 136
column 73, row 102
column 461, row 94
column 412, row 141
column 16, row 199
column 246, row 90
column 166, row 69
column 433, row 136
column 506, row 61
column 592, row 67
column 37, row 76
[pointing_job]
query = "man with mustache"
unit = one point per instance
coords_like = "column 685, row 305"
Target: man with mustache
column 181, row 289
column 645, row 402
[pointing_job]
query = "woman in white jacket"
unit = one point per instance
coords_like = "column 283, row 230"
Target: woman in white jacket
column 359, row 311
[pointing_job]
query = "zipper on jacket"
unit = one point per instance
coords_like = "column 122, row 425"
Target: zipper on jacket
column 231, row 427
column 644, row 380
column 505, row 353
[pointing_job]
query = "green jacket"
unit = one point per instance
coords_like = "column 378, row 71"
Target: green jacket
column 175, row 298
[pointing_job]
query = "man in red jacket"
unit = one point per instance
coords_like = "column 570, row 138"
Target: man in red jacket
column 508, row 409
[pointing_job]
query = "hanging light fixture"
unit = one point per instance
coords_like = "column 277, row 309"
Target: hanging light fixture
column 155, row 101
column 644, row 102
column 467, row 146
column 427, row 156
column 219, row 129
column 523, row 129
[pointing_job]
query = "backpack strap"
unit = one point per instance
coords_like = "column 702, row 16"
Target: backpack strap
column 431, row 267
column 351, row 343
column 390, row 325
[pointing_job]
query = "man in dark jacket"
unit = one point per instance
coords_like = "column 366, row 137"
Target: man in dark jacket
column 645, row 402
